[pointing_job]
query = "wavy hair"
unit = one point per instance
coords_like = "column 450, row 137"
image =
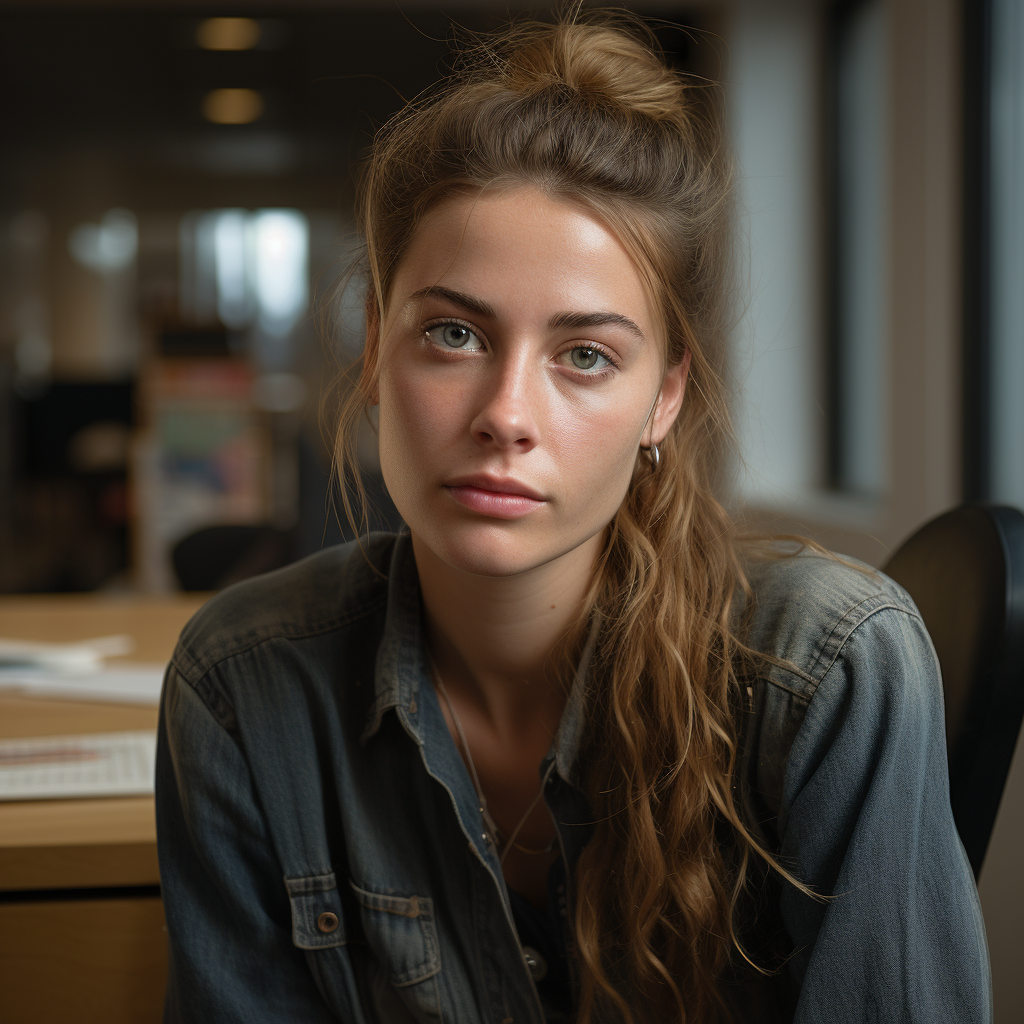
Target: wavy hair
column 587, row 111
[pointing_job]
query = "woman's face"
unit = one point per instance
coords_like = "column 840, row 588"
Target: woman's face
column 519, row 368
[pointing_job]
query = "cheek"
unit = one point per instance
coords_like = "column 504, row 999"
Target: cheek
column 398, row 423
column 597, row 449
column 417, row 417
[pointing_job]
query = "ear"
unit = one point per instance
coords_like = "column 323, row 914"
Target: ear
column 371, row 348
column 670, row 400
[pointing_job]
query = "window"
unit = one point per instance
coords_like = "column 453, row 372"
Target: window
column 250, row 271
column 858, row 335
column 1006, row 254
column 774, row 85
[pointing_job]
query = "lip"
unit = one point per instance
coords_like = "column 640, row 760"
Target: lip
column 498, row 497
column 497, row 484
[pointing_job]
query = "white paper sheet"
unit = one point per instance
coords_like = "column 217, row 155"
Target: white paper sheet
column 122, row 683
column 62, row 767
column 83, row 656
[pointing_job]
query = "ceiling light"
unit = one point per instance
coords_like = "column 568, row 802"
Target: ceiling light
column 228, row 33
column 232, row 106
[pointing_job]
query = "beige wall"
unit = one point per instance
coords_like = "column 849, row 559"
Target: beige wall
column 924, row 317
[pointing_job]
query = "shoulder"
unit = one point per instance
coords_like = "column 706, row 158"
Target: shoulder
column 805, row 607
column 321, row 594
column 840, row 642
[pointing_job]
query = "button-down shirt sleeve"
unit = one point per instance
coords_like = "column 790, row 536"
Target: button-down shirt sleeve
column 865, row 820
column 232, row 957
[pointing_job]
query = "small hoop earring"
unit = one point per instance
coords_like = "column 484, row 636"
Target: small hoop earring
column 652, row 453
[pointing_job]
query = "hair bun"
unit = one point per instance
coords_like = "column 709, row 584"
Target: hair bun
column 605, row 62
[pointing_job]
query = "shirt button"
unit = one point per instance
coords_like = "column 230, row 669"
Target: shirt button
column 327, row 922
column 537, row 964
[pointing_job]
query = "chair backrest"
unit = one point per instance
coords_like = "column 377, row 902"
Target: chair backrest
column 965, row 571
column 216, row 556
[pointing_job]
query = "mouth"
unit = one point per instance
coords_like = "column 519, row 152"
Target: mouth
column 497, row 497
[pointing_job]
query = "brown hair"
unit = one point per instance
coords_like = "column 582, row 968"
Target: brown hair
column 587, row 111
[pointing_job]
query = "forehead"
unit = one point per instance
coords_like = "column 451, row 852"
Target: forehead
column 522, row 250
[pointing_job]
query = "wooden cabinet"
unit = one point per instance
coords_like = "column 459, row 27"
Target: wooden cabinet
column 82, row 935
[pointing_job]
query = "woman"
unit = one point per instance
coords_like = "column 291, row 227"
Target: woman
column 565, row 749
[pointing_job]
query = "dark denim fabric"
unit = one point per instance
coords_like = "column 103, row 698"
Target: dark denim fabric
column 322, row 854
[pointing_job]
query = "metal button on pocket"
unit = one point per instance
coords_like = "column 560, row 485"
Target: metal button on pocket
column 537, row 964
column 327, row 922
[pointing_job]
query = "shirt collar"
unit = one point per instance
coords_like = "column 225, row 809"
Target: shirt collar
column 402, row 668
column 566, row 746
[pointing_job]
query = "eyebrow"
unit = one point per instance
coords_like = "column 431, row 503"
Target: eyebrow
column 560, row 321
column 581, row 321
column 459, row 298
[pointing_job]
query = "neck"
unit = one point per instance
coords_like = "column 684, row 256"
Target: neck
column 491, row 638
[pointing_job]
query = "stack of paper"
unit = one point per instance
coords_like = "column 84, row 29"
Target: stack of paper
column 85, row 656
column 56, row 767
column 77, row 671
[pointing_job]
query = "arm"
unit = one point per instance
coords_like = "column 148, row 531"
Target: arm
column 228, row 916
column 866, row 820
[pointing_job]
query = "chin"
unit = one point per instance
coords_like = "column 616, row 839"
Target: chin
column 487, row 552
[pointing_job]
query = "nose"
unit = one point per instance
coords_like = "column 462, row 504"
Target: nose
column 508, row 417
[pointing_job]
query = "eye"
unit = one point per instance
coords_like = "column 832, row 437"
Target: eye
column 585, row 358
column 453, row 335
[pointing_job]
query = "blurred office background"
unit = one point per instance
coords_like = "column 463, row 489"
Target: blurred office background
column 176, row 183
column 175, row 210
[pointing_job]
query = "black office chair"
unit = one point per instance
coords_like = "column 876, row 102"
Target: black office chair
column 965, row 572
column 216, row 556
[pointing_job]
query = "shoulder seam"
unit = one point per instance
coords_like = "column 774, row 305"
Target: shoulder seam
column 813, row 677
column 847, row 618
column 216, row 704
column 318, row 629
column 889, row 606
column 800, row 694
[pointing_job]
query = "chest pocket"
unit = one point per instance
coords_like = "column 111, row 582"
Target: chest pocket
column 401, row 931
column 404, row 984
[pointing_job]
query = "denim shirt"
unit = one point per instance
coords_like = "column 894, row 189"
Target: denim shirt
column 322, row 854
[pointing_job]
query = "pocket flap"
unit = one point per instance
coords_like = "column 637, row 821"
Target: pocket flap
column 318, row 921
column 400, row 930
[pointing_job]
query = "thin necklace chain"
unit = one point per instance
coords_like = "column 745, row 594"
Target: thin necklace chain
column 491, row 824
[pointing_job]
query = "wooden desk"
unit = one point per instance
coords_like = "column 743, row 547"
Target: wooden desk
column 81, row 923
